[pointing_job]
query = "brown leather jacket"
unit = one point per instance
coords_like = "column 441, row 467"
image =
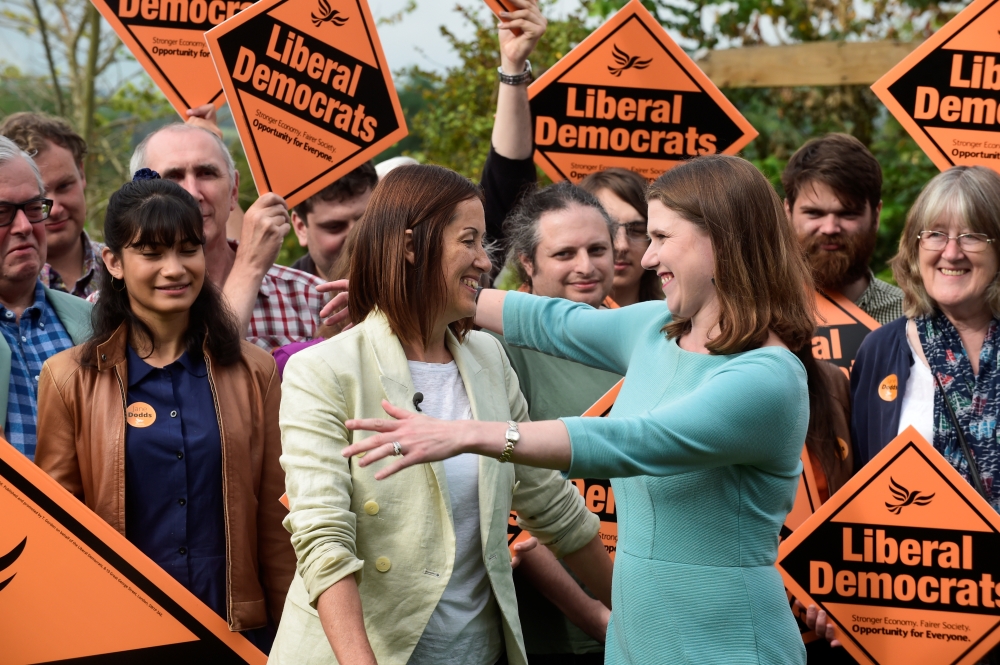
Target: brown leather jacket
column 81, row 443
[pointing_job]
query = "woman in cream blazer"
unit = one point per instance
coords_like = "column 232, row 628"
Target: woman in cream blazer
column 375, row 557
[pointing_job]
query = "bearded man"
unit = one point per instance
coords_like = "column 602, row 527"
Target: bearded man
column 833, row 189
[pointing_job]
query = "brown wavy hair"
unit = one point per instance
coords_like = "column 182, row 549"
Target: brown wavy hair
column 423, row 199
column 761, row 276
column 762, row 279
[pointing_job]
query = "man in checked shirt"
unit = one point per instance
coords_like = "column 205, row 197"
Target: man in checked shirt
column 276, row 305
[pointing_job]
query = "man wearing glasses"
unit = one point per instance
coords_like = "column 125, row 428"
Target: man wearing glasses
column 36, row 322
column 74, row 260
column 833, row 189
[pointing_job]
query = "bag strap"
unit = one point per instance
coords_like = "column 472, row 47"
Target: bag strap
column 977, row 480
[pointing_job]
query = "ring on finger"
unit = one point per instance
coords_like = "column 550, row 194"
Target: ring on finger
column 397, row 449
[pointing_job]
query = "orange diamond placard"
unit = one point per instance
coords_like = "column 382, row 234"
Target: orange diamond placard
column 73, row 589
column 310, row 91
column 945, row 93
column 497, row 6
column 841, row 328
column 628, row 96
column 903, row 560
column 167, row 37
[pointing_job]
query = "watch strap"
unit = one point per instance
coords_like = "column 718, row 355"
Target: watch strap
column 508, row 448
column 516, row 79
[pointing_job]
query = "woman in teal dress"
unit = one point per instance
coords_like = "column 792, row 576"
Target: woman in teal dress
column 704, row 441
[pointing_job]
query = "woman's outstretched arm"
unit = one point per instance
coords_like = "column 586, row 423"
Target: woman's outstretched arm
column 424, row 439
column 489, row 310
column 600, row 338
column 751, row 401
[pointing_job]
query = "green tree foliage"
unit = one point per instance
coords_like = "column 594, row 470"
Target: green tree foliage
column 454, row 127
column 82, row 86
column 132, row 108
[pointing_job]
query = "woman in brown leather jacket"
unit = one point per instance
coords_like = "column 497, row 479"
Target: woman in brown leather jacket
column 165, row 422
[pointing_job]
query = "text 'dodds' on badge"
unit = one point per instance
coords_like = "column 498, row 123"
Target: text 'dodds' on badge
column 140, row 414
column 903, row 560
column 310, row 91
column 945, row 93
column 628, row 96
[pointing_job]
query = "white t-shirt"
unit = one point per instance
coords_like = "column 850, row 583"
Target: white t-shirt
column 918, row 400
column 465, row 626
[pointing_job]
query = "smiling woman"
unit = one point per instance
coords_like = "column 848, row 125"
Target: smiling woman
column 704, row 441
column 165, row 421
column 942, row 355
column 431, row 543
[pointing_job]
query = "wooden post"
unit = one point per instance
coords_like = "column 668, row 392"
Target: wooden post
column 809, row 64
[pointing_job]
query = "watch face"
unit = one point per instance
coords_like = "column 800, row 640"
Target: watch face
column 513, row 435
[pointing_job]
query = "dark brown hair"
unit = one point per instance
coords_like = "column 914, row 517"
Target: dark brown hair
column 31, row 131
column 521, row 226
column 841, row 162
column 423, row 199
column 630, row 187
column 146, row 213
column 762, row 279
column 355, row 183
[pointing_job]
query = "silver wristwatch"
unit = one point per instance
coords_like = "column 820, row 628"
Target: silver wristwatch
column 512, row 437
column 516, row 79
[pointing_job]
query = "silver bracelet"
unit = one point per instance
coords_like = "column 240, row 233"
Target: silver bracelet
column 516, row 79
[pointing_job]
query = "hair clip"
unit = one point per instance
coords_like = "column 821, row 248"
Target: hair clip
column 145, row 174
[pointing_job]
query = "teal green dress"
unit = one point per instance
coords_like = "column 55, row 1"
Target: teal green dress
column 704, row 456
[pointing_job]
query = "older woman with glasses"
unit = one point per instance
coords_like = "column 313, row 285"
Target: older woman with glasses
column 936, row 368
column 622, row 193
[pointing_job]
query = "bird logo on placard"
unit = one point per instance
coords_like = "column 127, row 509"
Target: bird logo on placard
column 626, row 61
column 327, row 14
column 8, row 559
column 905, row 497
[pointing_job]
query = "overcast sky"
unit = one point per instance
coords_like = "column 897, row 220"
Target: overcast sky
column 416, row 41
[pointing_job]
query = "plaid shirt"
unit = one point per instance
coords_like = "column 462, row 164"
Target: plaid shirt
column 37, row 336
column 881, row 301
column 287, row 308
column 87, row 283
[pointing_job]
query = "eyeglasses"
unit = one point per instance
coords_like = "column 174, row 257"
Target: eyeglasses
column 36, row 210
column 935, row 241
column 634, row 231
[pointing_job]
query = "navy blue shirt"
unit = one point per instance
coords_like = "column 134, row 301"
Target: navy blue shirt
column 174, row 508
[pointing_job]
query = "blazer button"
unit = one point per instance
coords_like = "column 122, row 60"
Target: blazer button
column 371, row 507
column 382, row 564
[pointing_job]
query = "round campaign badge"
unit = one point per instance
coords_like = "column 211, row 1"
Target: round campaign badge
column 888, row 388
column 140, row 414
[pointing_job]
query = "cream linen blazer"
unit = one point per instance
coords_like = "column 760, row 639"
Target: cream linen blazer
column 396, row 535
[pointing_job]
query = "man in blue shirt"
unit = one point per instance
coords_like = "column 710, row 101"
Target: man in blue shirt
column 35, row 322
